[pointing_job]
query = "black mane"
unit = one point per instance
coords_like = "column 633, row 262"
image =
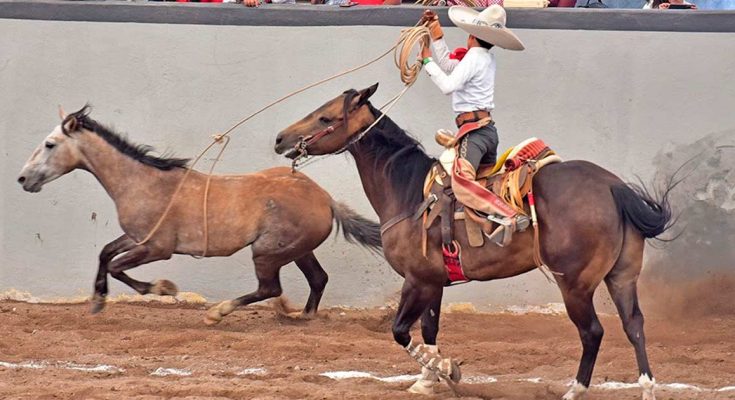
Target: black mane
column 140, row 152
column 405, row 163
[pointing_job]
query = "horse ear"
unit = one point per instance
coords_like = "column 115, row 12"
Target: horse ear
column 62, row 113
column 69, row 124
column 366, row 93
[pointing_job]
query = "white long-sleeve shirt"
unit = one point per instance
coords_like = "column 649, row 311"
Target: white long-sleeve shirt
column 471, row 82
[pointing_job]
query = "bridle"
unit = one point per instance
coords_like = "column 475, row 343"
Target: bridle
column 301, row 147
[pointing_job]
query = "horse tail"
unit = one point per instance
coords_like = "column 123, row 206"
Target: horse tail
column 356, row 228
column 649, row 212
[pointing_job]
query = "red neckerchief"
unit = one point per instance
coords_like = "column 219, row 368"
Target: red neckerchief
column 458, row 53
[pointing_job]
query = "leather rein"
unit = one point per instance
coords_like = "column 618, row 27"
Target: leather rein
column 301, row 147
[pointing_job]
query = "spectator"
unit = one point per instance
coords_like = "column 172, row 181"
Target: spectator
column 666, row 4
column 255, row 3
column 358, row 2
column 562, row 3
column 474, row 3
column 504, row 3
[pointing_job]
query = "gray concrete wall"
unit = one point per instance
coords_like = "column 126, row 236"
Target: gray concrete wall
column 634, row 102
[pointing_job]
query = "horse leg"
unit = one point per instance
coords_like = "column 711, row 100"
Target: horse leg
column 161, row 287
column 317, row 278
column 582, row 312
column 269, row 285
column 136, row 256
column 621, row 283
column 429, row 331
column 415, row 298
column 110, row 251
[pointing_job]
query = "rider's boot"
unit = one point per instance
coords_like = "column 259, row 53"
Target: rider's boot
column 507, row 219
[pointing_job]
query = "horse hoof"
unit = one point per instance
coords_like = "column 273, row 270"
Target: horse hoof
column 648, row 384
column 213, row 316
column 216, row 313
column 211, row 321
column 308, row 316
column 449, row 370
column 164, row 287
column 455, row 374
column 576, row 392
column 98, row 304
column 422, row 386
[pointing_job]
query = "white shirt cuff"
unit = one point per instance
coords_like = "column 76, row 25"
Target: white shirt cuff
column 433, row 69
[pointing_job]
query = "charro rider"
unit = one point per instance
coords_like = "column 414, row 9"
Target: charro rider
column 469, row 75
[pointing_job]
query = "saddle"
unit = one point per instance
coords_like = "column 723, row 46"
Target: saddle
column 510, row 178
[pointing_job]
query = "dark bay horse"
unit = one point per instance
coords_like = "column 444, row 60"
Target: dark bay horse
column 593, row 228
column 281, row 215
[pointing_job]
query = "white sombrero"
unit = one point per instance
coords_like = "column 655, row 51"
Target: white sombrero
column 488, row 25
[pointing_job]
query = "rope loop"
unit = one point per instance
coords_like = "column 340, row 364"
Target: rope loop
column 406, row 42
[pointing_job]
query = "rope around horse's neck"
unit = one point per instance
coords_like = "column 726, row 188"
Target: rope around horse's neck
column 409, row 73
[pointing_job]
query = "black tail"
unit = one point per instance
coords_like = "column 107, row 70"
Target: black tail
column 356, row 228
column 649, row 213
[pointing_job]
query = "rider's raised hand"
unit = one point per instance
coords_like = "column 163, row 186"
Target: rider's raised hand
column 431, row 21
column 435, row 29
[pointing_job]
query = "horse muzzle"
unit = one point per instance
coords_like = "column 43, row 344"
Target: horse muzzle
column 287, row 151
column 299, row 149
column 30, row 185
column 282, row 146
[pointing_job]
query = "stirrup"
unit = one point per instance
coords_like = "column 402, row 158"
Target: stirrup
column 522, row 222
column 519, row 222
column 503, row 234
column 500, row 220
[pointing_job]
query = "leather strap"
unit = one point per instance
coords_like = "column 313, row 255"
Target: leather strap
column 324, row 132
column 394, row 221
column 431, row 199
column 471, row 116
column 446, row 214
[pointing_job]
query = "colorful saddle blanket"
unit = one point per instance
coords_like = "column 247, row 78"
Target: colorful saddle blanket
column 511, row 178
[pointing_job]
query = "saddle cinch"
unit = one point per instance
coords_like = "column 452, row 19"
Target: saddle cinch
column 511, row 179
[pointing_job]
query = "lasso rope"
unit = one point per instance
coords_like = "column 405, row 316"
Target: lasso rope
column 409, row 73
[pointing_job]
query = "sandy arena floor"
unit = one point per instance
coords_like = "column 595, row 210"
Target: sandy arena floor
column 153, row 351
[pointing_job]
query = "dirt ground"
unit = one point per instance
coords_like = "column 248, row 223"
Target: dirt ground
column 60, row 352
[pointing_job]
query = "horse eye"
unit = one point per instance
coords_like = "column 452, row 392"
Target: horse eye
column 50, row 145
column 325, row 120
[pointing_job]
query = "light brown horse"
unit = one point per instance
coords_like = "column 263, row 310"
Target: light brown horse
column 282, row 215
column 592, row 225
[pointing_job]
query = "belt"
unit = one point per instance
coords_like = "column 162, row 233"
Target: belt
column 471, row 116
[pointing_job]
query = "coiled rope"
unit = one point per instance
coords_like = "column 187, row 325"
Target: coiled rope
column 408, row 39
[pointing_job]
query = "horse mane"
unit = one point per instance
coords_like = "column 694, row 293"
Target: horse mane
column 139, row 152
column 404, row 161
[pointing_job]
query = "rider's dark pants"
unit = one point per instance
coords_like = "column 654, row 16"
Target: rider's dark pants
column 480, row 146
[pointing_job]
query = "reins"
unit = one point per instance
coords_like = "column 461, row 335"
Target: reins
column 409, row 73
